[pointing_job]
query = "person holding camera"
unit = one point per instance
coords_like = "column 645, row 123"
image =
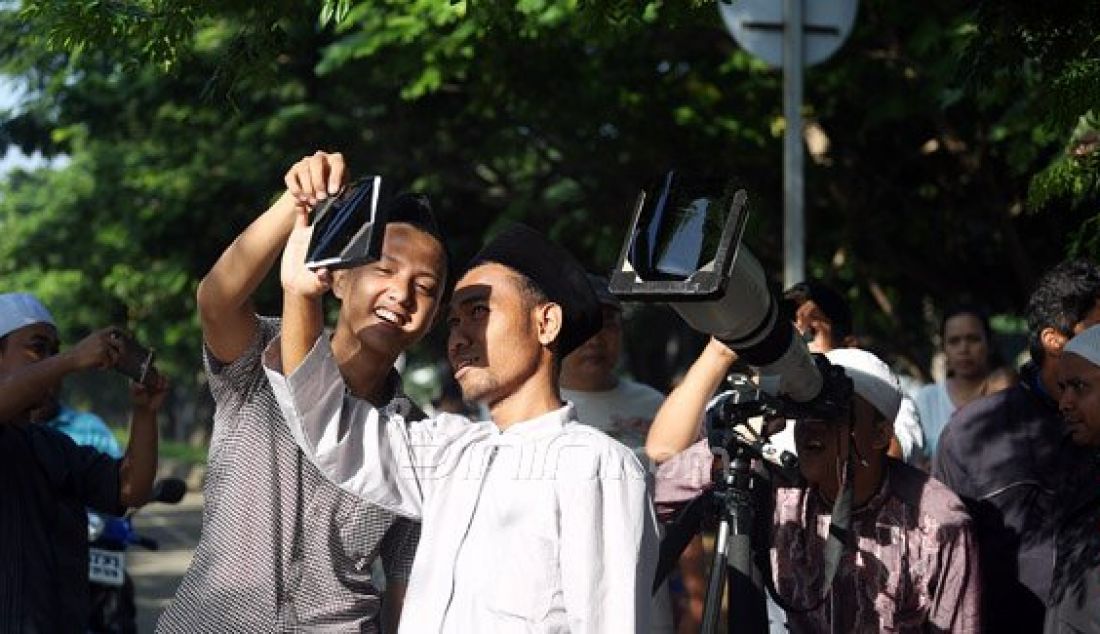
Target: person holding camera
column 282, row 549
column 824, row 319
column 532, row 521
column 910, row 562
column 46, row 480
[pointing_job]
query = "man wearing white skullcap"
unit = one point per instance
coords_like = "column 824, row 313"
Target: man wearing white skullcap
column 46, row 480
column 1009, row 454
column 913, row 563
column 1079, row 381
column 1074, row 604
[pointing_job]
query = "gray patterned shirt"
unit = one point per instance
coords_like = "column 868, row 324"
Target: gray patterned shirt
column 282, row 549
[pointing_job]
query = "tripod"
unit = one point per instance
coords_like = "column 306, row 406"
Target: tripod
column 742, row 502
column 735, row 571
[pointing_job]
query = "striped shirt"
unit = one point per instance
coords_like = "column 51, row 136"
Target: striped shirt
column 282, row 549
column 46, row 480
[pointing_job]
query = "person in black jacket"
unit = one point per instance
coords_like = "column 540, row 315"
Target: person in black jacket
column 1074, row 605
column 1009, row 456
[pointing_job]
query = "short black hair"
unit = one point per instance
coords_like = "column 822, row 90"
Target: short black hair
column 828, row 300
column 415, row 209
column 533, row 295
column 1063, row 298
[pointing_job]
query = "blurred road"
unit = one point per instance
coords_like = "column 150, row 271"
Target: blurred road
column 156, row 574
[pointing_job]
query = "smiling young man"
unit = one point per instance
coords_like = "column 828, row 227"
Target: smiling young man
column 533, row 521
column 912, row 566
column 283, row 549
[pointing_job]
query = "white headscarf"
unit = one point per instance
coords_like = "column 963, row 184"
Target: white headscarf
column 871, row 378
column 1086, row 344
column 21, row 309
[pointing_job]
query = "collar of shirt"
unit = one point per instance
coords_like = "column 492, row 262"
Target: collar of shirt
column 549, row 424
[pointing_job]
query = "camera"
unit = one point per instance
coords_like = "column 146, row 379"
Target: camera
column 135, row 361
column 348, row 227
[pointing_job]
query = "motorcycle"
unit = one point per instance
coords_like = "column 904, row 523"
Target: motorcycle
column 111, row 589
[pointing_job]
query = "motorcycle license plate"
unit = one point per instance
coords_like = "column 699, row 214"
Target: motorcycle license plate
column 106, row 567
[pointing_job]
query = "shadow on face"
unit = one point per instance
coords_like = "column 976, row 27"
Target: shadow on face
column 493, row 344
column 823, row 445
column 1079, row 401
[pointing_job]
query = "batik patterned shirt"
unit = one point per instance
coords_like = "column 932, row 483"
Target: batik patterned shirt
column 914, row 567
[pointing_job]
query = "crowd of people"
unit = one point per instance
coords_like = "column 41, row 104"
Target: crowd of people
column 971, row 505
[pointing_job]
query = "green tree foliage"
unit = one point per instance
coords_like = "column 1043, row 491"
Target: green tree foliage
column 1042, row 61
column 179, row 118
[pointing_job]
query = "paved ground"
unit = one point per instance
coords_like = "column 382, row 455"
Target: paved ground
column 156, row 574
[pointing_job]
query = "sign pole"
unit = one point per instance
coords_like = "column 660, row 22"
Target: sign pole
column 794, row 233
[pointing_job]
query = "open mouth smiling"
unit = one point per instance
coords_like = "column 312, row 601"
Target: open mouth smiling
column 390, row 317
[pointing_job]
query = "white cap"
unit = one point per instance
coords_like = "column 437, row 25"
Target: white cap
column 1086, row 344
column 21, row 309
column 871, row 378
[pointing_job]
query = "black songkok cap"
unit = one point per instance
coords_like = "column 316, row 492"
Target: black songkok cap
column 554, row 271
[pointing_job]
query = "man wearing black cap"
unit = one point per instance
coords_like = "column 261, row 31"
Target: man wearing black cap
column 531, row 522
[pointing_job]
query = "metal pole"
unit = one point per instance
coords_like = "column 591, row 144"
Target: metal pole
column 794, row 232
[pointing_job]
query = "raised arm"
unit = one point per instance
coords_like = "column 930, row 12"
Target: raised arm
column 676, row 426
column 25, row 387
column 225, row 294
column 372, row 453
column 303, row 318
column 139, row 464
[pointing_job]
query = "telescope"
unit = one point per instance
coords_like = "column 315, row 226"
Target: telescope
column 684, row 248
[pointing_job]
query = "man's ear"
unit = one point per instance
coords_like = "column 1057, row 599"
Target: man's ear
column 1052, row 341
column 340, row 283
column 548, row 321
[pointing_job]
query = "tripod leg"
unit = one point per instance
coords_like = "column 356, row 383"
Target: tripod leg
column 747, row 600
column 716, row 584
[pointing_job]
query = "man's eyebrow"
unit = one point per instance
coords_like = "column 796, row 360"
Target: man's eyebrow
column 474, row 296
